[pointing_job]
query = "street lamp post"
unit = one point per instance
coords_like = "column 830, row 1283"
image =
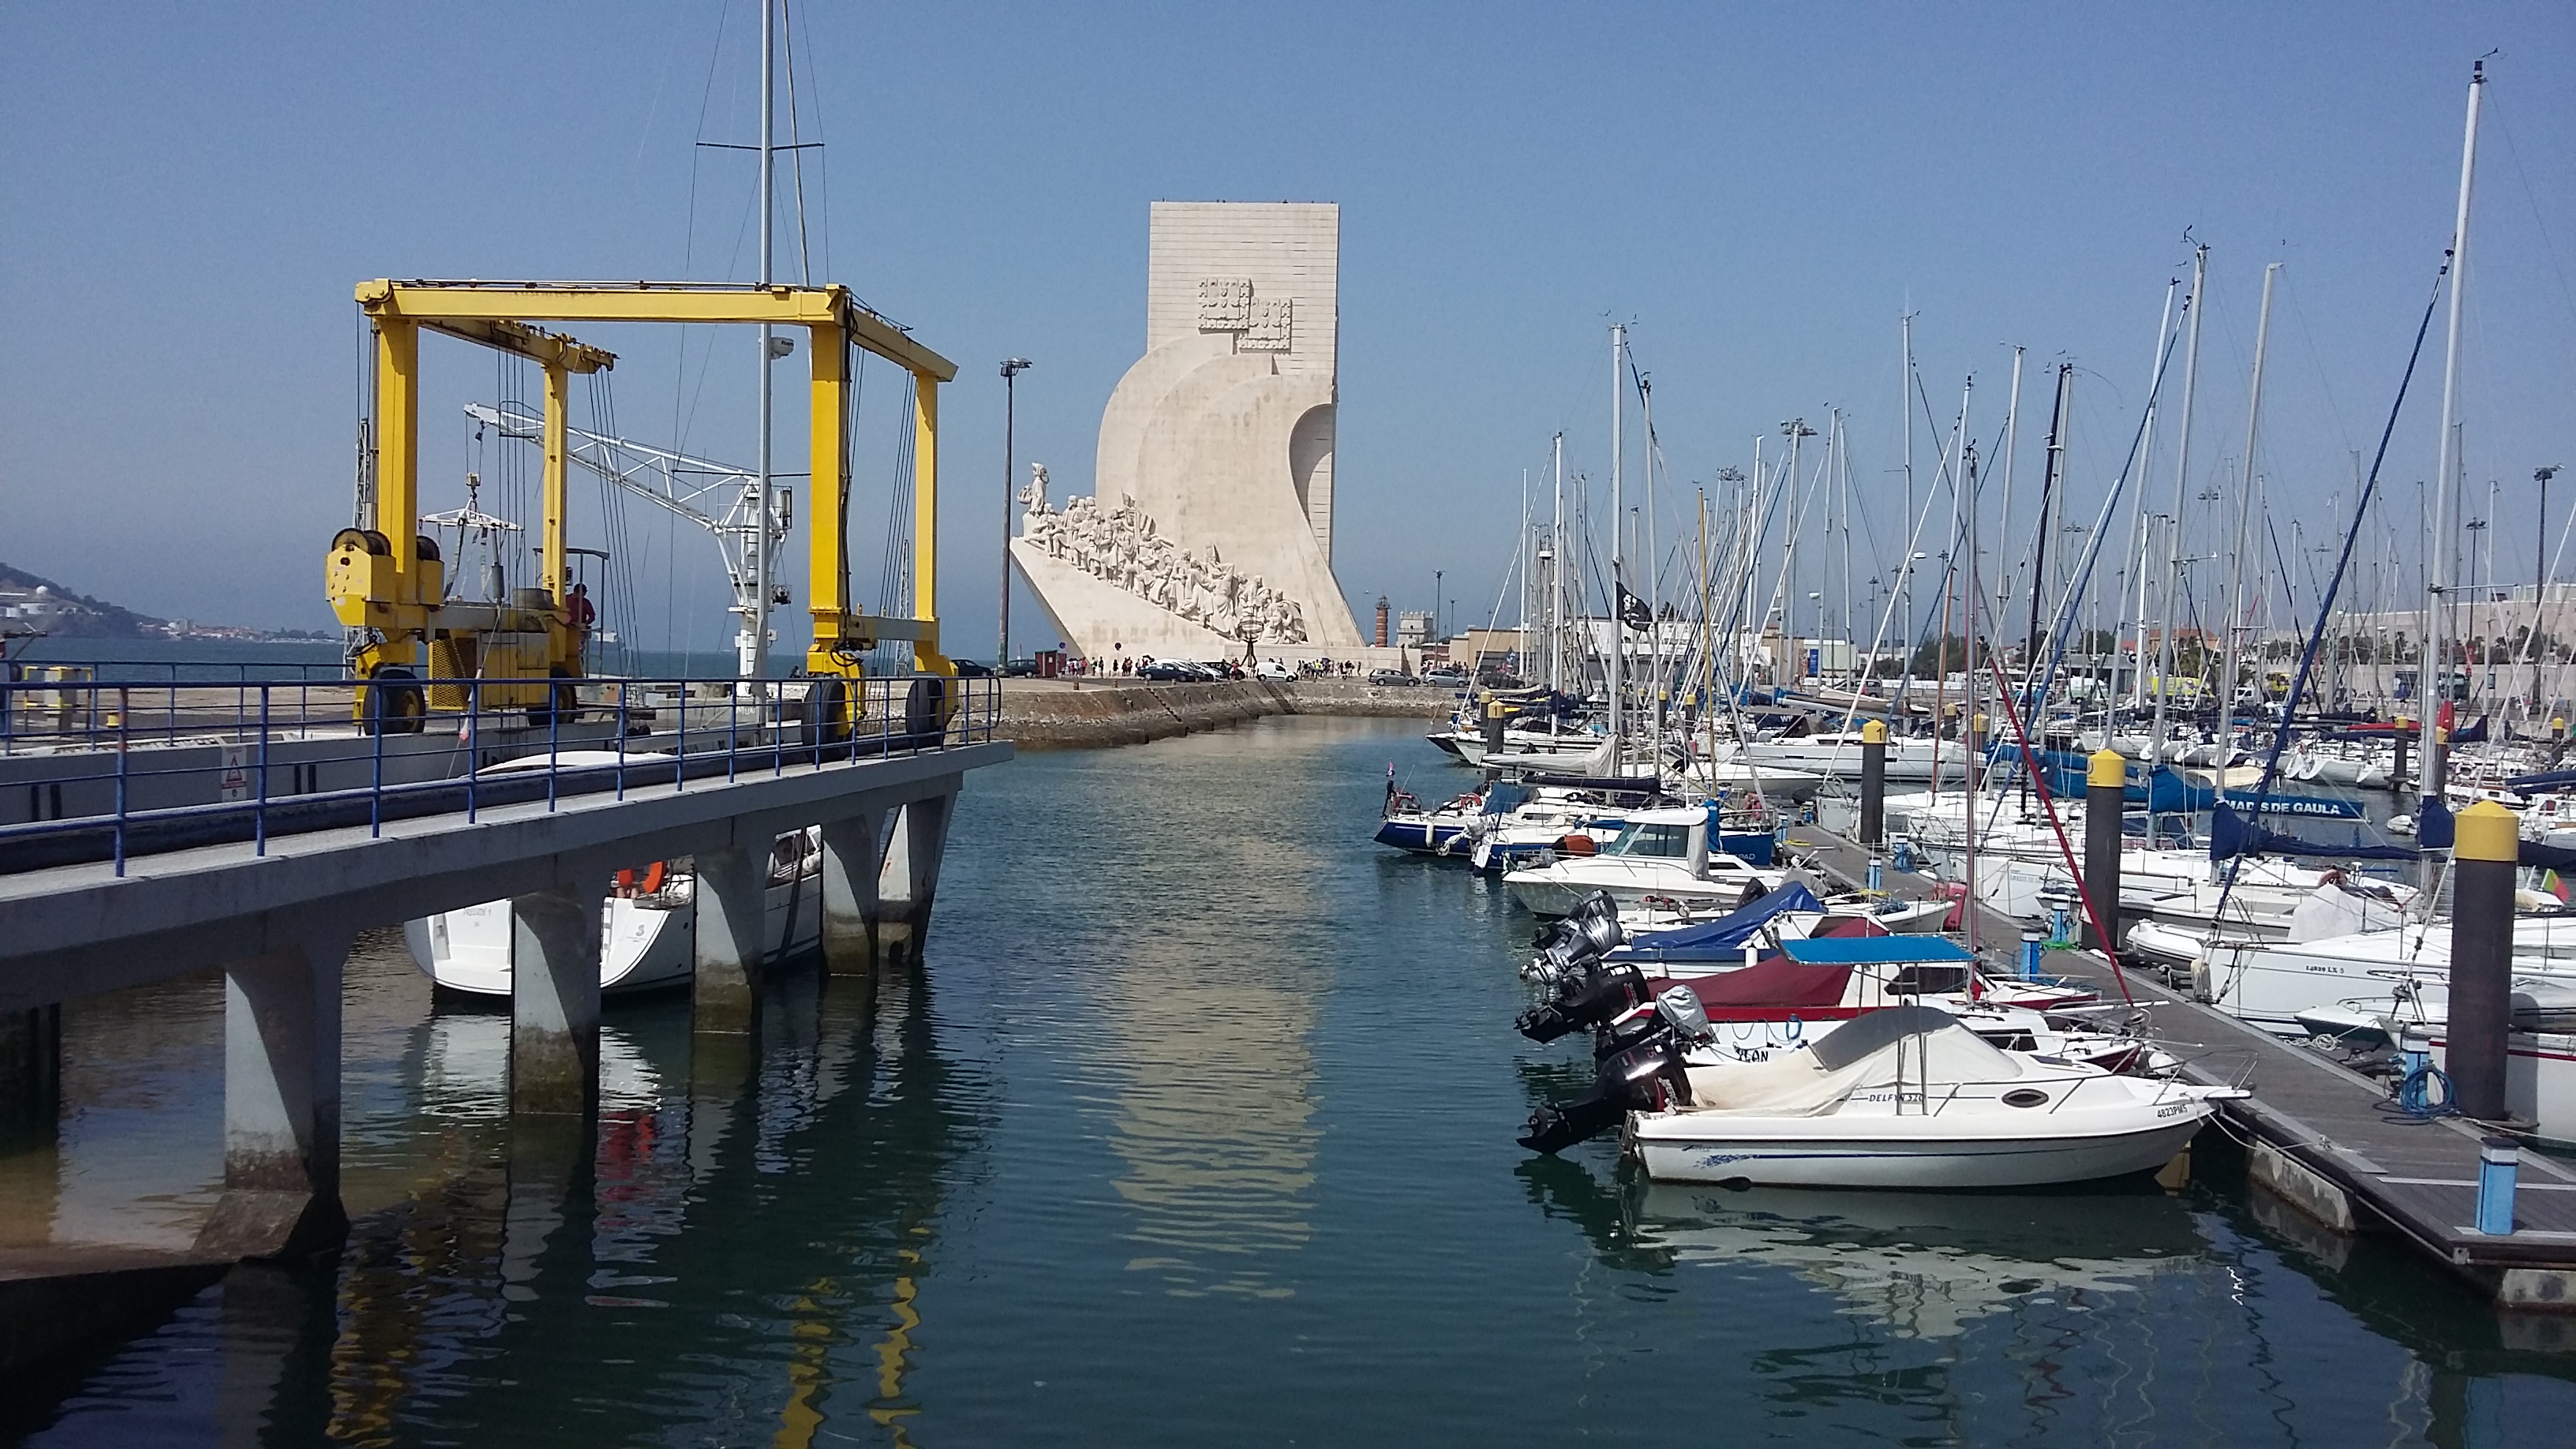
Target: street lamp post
column 1012, row 367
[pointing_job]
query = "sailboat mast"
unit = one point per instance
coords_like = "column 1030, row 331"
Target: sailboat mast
column 1842, row 465
column 2437, row 639
column 1905, row 412
column 752, row 650
column 2138, row 504
column 2173, row 543
column 2003, row 516
column 1556, row 578
column 1654, row 578
column 2236, row 555
column 1618, row 516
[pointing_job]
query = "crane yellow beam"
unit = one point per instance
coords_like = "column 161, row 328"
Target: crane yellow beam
column 654, row 302
column 394, row 591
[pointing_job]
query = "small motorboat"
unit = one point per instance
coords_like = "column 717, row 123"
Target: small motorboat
column 1407, row 826
column 1909, row 1097
column 1662, row 853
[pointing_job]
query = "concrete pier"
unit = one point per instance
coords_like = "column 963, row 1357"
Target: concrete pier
column 31, row 1072
column 282, row 1098
column 852, row 863
column 554, row 1000
column 732, row 906
column 911, row 878
column 276, row 915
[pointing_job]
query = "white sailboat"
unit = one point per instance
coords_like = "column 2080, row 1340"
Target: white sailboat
column 648, row 931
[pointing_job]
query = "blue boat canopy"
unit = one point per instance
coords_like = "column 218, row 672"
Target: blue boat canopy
column 1722, row 939
column 1876, row 951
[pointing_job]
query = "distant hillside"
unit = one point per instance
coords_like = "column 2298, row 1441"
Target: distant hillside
column 64, row 614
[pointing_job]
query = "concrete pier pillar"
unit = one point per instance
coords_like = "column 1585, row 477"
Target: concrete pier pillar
column 554, row 1001
column 732, row 901
column 2485, row 848
column 31, row 1073
column 281, row 1101
column 853, row 858
column 911, row 877
column 2106, row 777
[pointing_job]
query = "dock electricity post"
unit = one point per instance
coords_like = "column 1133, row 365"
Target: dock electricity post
column 1012, row 367
column 2105, row 788
column 2485, row 850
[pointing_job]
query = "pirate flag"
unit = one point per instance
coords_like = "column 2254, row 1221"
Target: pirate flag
column 1632, row 610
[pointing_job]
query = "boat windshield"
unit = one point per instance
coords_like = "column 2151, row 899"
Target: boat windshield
column 1668, row 841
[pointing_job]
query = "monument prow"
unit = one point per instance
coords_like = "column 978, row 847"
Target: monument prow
column 1217, row 449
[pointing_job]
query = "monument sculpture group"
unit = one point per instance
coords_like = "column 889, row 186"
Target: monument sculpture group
column 1218, row 447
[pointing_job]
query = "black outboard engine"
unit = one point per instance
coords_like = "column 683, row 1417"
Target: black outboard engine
column 1645, row 1076
column 1586, row 934
column 1585, row 1002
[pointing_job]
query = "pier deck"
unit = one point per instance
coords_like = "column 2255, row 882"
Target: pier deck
column 2324, row 1137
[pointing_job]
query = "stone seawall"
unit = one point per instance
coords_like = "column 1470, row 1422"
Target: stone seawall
column 1063, row 714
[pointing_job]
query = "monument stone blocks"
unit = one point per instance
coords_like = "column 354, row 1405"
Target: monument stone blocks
column 1210, row 524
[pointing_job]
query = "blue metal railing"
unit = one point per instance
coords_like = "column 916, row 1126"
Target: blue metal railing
column 94, row 771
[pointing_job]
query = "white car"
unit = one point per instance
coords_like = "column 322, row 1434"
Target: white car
column 1272, row 669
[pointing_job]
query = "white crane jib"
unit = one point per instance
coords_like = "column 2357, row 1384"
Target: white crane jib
column 679, row 483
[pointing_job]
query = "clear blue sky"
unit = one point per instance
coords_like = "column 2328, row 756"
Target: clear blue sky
column 189, row 193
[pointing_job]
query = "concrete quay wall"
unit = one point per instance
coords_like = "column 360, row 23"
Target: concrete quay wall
column 1064, row 714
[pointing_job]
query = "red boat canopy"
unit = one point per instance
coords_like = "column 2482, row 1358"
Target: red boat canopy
column 1776, row 982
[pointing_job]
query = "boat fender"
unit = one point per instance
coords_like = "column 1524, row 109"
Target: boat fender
column 649, row 883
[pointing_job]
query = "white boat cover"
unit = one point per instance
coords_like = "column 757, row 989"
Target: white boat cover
column 1917, row 1046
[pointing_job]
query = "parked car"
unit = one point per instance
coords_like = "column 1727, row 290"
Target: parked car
column 1020, row 669
column 1389, row 676
column 971, row 669
column 1172, row 671
column 1272, row 669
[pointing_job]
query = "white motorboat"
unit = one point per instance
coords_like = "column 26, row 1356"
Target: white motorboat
column 1837, row 753
column 1908, row 1097
column 648, row 929
column 2269, row 983
column 1659, row 853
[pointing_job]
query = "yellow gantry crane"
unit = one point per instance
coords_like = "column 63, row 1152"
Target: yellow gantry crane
column 388, row 577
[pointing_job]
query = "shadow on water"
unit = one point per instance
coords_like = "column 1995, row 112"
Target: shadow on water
column 736, row 1218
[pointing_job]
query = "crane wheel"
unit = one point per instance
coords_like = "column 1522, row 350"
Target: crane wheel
column 394, row 705
column 827, row 713
column 925, row 712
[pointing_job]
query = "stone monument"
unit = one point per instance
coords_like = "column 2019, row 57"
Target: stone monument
column 1210, row 523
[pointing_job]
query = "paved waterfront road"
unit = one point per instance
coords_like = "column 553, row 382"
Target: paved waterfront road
column 1199, row 1132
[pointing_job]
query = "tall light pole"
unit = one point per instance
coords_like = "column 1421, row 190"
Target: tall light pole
column 1435, row 605
column 1012, row 367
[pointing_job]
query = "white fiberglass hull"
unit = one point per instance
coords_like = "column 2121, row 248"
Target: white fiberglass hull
column 1555, row 890
column 1909, row 1152
column 645, row 943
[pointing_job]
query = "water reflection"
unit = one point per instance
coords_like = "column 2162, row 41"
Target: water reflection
column 1207, row 1055
column 699, row 1265
column 1928, row 1265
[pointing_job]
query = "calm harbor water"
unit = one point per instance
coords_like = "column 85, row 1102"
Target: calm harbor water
column 1197, row 1129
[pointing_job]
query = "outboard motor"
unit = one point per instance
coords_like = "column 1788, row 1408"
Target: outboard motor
column 1582, row 1003
column 1589, row 932
column 1645, row 1076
